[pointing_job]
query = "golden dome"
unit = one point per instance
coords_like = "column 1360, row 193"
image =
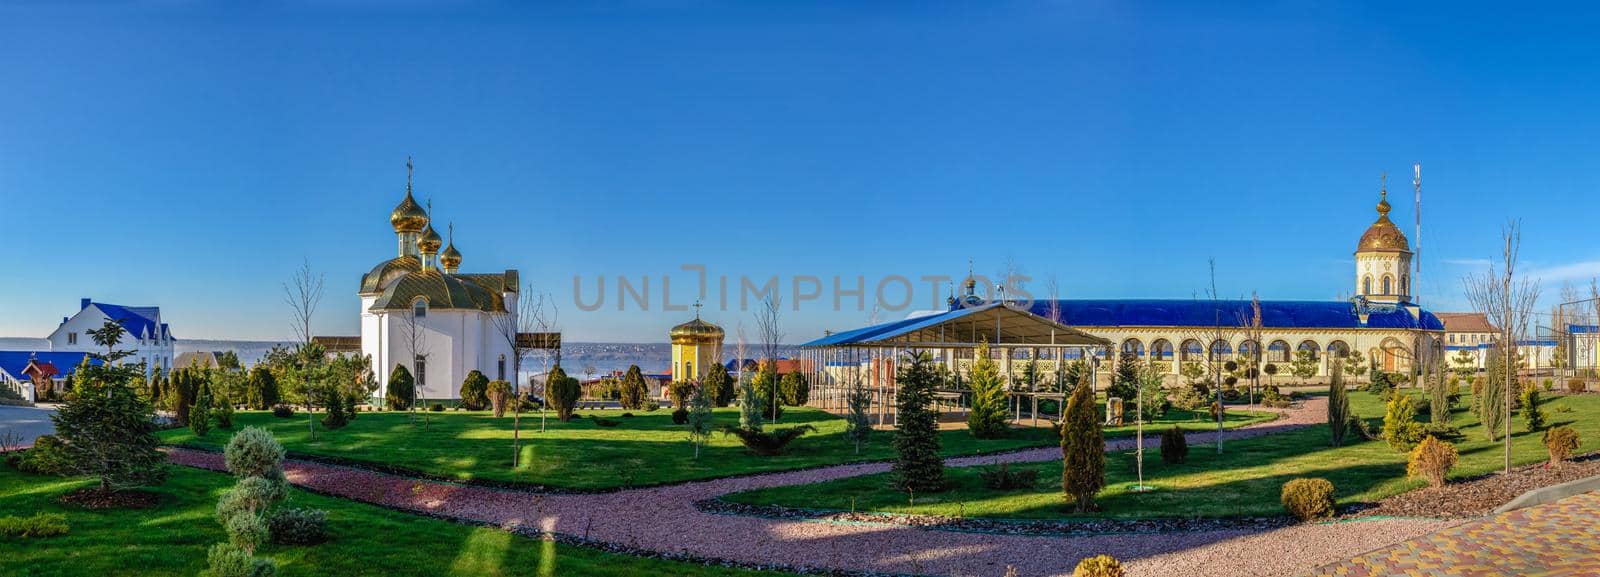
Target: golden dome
column 429, row 241
column 1383, row 235
column 408, row 216
column 696, row 329
column 450, row 259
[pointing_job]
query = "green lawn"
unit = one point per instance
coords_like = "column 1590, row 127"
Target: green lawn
column 172, row 539
column 1245, row 480
column 643, row 450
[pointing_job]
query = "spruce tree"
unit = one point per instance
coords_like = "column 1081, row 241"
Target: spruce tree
column 200, row 413
column 261, row 388
column 700, row 417
column 1338, row 405
column 750, row 403
column 107, row 431
column 989, row 417
column 858, row 419
column 918, row 466
column 1532, row 415
column 1083, row 450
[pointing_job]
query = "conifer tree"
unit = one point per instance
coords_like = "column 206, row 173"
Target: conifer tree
column 796, row 391
column 858, row 420
column 1490, row 402
column 1338, row 405
column 200, row 413
column 918, row 466
column 989, row 417
column 562, row 392
column 402, row 389
column 1083, row 450
column 261, row 388
column 474, row 391
column 700, row 417
column 719, row 384
column 107, row 431
column 750, row 403
column 635, row 393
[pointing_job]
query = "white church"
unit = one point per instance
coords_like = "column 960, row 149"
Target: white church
column 418, row 310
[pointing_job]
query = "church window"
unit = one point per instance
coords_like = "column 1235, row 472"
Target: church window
column 419, row 308
column 421, row 366
column 1385, row 285
column 1405, row 284
column 500, row 369
column 1366, row 285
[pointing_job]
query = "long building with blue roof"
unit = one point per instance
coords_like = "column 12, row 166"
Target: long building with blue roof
column 1381, row 321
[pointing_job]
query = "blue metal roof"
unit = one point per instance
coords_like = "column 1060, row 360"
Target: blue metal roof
column 890, row 328
column 12, row 362
column 1202, row 313
column 1536, row 343
column 140, row 322
column 1583, row 329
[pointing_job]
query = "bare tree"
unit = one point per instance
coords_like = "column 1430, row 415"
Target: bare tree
column 546, row 318
column 509, row 326
column 1250, row 324
column 303, row 293
column 769, row 325
column 415, row 333
column 1501, row 295
column 1211, row 348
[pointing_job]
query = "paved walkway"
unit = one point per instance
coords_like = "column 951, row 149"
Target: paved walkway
column 26, row 423
column 664, row 519
column 1560, row 538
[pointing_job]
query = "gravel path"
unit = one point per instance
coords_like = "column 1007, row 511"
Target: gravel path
column 664, row 519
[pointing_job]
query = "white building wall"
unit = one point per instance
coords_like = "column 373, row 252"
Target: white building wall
column 73, row 336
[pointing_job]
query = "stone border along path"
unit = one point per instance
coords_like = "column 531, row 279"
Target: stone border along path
column 665, row 520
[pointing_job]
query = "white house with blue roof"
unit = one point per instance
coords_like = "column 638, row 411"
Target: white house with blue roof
column 147, row 336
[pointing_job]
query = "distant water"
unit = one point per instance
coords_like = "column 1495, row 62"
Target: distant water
column 578, row 358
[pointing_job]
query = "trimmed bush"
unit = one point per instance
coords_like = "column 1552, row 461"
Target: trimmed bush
column 1431, row 461
column 563, row 392
column 283, row 411
column 47, row 457
column 795, row 389
column 475, row 391
column 37, row 525
column 227, row 560
column 1576, row 385
column 254, row 452
column 1003, row 478
column 1308, row 499
column 402, row 389
column 679, row 392
column 680, row 416
column 635, row 393
column 499, row 393
column 1099, row 566
column 437, row 407
column 1400, row 427
column 767, row 443
column 298, row 526
column 1083, row 450
column 1174, row 446
column 1561, row 442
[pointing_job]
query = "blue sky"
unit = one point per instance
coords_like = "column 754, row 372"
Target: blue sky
column 191, row 155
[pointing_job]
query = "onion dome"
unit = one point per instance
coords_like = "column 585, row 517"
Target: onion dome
column 429, row 241
column 450, row 259
column 696, row 329
column 408, row 216
column 1383, row 235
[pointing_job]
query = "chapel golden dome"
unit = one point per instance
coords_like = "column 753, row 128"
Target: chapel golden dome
column 450, row 259
column 696, row 329
column 1383, row 235
column 408, row 216
column 429, row 241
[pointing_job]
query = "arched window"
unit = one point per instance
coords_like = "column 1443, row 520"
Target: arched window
column 1278, row 352
column 1366, row 285
column 1338, row 349
column 1161, row 350
column 1133, row 348
column 1405, row 284
column 501, row 369
column 1308, row 346
column 688, row 370
column 1220, row 349
column 1192, row 350
column 419, row 308
column 1386, row 282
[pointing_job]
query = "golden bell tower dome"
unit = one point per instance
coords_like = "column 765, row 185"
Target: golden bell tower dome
column 1383, row 259
column 450, row 259
column 430, row 241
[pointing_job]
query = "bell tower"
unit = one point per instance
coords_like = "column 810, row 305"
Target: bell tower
column 1383, row 259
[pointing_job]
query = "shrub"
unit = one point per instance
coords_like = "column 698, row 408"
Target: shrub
column 227, row 560
column 796, row 391
column 47, row 457
column 402, row 389
column 336, row 416
column 37, row 525
column 1338, row 406
column 498, row 392
column 298, row 526
column 1217, row 411
column 1431, row 461
column 635, row 393
column 1174, row 446
column 247, row 531
column 1561, row 442
column 253, row 452
column 1003, row 478
column 1098, row 566
column 1308, row 498
column 437, row 407
column 261, row 388
column 474, row 391
column 1549, row 384
column 680, row 416
column 604, row 422
column 1576, row 385
column 720, row 385
column 563, row 392
column 768, row 443
column 1400, row 427
column 1532, row 415
column 678, row 392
